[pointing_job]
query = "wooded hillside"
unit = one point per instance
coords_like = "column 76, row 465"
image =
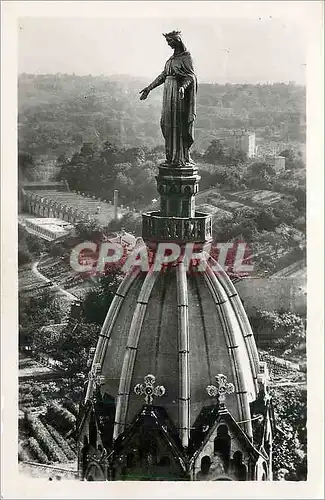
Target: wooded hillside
column 57, row 113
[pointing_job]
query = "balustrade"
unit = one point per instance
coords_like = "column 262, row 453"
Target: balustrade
column 195, row 229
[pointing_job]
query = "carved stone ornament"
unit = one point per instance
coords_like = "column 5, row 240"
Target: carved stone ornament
column 149, row 390
column 221, row 389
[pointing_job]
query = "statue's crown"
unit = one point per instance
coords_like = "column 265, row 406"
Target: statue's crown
column 172, row 34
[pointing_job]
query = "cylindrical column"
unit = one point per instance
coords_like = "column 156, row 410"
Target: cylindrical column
column 177, row 188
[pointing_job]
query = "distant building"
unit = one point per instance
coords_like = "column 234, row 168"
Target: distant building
column 276, row 162
column 48, row 228
column 243, row 140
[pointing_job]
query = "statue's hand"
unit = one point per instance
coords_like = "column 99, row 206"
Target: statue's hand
column 181, row 92
column 144, row 94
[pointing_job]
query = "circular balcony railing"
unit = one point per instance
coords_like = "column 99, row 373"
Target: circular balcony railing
column 155, row 227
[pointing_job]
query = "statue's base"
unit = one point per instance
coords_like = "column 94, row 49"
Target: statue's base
column 167, row 171
column 178, row 165
column 177, row 188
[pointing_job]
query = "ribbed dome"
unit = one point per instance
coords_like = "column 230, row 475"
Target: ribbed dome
column 184, row 328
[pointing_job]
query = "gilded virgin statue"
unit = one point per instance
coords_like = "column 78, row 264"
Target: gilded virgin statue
column 179, row 102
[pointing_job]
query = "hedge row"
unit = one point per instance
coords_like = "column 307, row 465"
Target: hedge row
column 44, row 438
column 60, row 417
column 61, row 442
column 36, row 451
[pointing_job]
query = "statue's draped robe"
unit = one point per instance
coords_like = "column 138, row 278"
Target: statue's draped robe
column 178, row 115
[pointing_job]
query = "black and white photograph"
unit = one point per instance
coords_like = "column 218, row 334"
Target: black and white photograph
column 161, row 208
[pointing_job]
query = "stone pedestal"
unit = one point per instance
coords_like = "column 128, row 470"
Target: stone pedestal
column 177, row 221
column 177, row 187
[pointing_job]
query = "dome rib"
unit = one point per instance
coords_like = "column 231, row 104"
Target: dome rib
column 131, row 352
column 109, row 322
column 233, row 296
column 220, row 300
column 223, row 305
column 247, row 335
column 183, row 355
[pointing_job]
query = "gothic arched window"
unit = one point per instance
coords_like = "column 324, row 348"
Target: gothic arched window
column 205, row 465
column 222, row 443
column 238, row 467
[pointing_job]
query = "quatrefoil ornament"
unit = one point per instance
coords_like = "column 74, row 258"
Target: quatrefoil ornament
column 221, row 389
column 149, row 390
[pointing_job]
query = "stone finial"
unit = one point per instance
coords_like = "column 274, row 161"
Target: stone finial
column 221, row 389
column 149, row 390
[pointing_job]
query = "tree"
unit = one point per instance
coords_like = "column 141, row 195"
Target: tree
column 286, row 211
column 234, row 157
column 98, row 300
column 227, row 176
column 110, row 153
column 300, row 195
column 89, row 231
column 266, row 219
column 290, row 439
column 214, row 153
column 26, row 165
column 289, row 331
column 35, row 312
column 74, row 344
column 262, row 170
column 293, row 159
column 242, row 227
column 135, row 156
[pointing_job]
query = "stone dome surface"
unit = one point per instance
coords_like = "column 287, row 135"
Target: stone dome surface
column 183, row 327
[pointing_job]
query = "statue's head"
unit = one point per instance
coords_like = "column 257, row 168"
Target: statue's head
column 174, row 40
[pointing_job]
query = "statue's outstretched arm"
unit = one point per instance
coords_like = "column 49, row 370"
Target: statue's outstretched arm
column 158, row 81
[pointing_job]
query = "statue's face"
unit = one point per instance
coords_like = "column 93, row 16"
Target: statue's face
column 171, row 42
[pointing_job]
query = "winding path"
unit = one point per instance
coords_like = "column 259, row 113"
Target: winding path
column 53, row 284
